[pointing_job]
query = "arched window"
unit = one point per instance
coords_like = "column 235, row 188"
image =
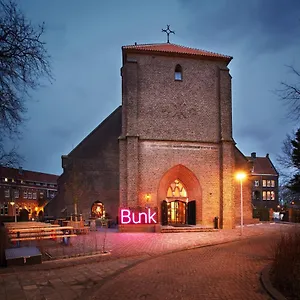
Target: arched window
column 178, row 72
column 98, row 210
column 176, row 189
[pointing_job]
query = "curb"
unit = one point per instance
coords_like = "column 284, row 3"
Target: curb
column 266, row 283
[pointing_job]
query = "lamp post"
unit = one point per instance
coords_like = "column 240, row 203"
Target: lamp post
column 241, row 176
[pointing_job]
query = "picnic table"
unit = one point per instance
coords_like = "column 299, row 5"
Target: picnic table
column 20, row 233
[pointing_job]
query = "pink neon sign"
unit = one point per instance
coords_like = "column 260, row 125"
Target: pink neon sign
column 134, row 217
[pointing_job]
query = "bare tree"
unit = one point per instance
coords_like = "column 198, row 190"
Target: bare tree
column 290, row 95
column 9, row 158
column 24, row 61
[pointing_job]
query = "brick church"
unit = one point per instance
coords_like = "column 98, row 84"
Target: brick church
column 168, row 148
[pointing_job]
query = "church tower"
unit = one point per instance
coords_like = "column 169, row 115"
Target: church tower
column 176, row 146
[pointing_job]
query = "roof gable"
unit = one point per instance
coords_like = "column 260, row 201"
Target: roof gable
column 263, row 165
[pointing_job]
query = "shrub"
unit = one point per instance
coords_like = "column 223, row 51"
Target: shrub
column 285, row 273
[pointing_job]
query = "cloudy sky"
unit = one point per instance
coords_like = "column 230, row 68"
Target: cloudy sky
column 84, row 38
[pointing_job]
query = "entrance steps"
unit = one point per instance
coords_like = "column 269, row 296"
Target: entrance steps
column 172, row 229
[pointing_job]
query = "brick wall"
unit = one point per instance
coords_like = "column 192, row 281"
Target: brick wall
column 96, row 161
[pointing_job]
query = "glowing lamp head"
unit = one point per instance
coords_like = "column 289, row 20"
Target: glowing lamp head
column 12, row 203
column 240, row 175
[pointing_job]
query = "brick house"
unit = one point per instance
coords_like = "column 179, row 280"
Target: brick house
column 25, row 193
column 264, row 182
column 168, row 148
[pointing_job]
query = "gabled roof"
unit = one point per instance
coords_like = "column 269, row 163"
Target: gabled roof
column 13, row 173
column 262, row 166
column 168, row 48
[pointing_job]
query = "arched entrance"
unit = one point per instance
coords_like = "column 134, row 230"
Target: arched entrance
column 98, row 210
column 178, row 210
column 178, row 192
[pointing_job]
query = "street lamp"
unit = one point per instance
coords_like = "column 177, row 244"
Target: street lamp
column 241, row 176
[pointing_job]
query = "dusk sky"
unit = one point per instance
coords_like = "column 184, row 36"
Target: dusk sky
column 84, row 39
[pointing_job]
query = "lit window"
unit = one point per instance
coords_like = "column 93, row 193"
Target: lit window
column 272, row 183
column 12, row 180
column 264, row 195
column 178, row 73
column 29, row 195
column 268, row 183
column 17, row 194
column 34, row 195
column 256, row 183
column 264, row 183
column 25, row 194
column 6, row 193
column 176, row 189
column 272, row 196
column 6, row 179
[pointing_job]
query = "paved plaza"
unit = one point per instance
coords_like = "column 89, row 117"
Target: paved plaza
column 152, row 266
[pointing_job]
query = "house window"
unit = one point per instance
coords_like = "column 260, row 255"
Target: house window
column 6, row 193
column 25, row 194
column 272, row 183
column 268, row 183
column 29, row 195
column 256, row 195
column 264, row 183
column 256, row 183
column 272, row 195
column 5, row 209
column 268, row 195
column 1, row 210
column 178, row 73
column 34, row 195
column 6, row 179
column 17, row 193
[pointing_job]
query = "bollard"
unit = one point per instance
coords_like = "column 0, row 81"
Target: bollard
column 18, row 241
column 66, row 240
column 216, row 222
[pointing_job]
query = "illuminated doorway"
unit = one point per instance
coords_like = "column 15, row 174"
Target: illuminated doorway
column 98, row 210
column 176, row 208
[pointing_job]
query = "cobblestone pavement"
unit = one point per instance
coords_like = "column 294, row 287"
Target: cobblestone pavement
column 228, row 271
column 136, row 268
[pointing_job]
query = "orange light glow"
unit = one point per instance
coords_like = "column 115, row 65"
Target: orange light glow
column 240, row 176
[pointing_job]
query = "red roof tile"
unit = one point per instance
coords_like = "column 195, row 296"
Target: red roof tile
column 178, row 49
column 27, row 175
column 262, row 165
